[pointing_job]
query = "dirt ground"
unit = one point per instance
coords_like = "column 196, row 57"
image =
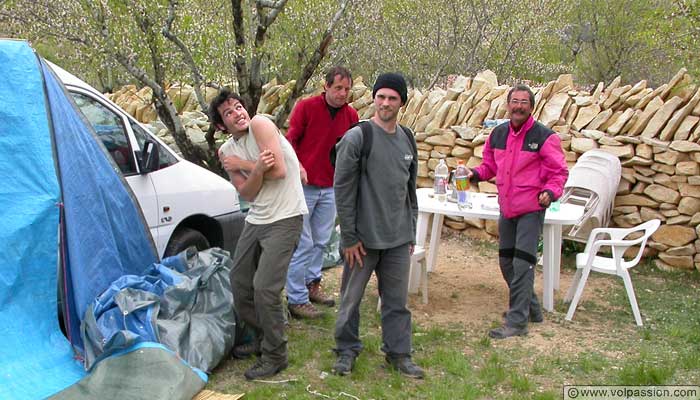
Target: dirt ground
column 466, row 291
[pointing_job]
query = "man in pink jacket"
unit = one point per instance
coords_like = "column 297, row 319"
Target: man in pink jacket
column 528, row 163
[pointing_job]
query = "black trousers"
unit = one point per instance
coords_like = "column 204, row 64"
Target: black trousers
column 517, row 257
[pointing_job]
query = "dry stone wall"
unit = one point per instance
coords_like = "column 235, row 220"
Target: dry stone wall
column 655, row 132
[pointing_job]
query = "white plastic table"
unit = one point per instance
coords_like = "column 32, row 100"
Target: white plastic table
column 486, row 207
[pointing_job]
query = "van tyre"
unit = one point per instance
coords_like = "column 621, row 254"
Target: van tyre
column 184, row 238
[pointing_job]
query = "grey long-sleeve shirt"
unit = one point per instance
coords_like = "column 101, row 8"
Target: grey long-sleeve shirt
column 375, row 208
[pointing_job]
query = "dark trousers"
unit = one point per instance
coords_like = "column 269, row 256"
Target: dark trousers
column 517, row 257
column 392, row 268
column 258, row 277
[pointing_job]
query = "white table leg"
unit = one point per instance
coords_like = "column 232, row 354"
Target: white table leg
column 435, row 233
column 421, row 235
column 548, row 267
column 556, row 262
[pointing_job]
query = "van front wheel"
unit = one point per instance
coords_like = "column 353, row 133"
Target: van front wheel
column 183, row 238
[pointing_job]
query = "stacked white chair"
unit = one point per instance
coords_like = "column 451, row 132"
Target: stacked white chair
column 593, row 183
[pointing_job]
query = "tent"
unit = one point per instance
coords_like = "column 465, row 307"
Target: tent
column 66, row 212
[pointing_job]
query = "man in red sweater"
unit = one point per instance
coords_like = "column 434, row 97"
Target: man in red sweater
column 315, row 125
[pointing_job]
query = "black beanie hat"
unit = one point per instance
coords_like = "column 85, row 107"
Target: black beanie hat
column 392, row 81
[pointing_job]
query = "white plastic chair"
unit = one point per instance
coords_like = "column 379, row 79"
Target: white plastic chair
column 418, row 258
column 589, row 260
column 592, row 183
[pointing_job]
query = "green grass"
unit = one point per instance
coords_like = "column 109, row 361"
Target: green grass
column 645, row 372
column 463, row 363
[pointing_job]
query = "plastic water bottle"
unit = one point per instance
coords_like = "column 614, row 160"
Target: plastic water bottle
column 462, row 185
column 442, row 174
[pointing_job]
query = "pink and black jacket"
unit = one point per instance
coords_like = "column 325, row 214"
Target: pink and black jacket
column 525, row 164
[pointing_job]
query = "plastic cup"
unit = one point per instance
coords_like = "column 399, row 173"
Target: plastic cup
column 555, row 206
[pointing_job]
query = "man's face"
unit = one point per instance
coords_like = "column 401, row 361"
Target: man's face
column 519, row 107
column 387, row 103
column 234, row 116
column 337, row 92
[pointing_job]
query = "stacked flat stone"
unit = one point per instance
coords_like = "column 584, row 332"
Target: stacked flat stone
column 654, row 132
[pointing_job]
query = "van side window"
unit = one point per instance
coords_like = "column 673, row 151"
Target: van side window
column 110, row 129
column 165, row 158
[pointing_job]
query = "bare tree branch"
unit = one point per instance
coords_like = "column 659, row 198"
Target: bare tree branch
column 146, row 26
column 481, row 17
column 313, row 63
column 46, row 25
column 456, row 39
column 164, row 105
column 186, row 55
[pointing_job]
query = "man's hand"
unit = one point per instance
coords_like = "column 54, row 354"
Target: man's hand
column 354, row 254
column 231, row 163
column 302, row 172
column 266, row 160
column 411, row 249
column 544, row 199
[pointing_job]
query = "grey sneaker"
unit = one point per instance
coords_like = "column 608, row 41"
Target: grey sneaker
column 305, row 311
column 507, row 331
column 264, row 369
column 344, row 364
column 405, row 366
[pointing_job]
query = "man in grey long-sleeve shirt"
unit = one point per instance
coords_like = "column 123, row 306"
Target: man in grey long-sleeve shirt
column 374, row 196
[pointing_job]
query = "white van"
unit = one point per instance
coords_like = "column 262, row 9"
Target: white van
column 184, row 204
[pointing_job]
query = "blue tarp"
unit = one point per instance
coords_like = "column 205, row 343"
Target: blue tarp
column 126, row 312
column 185, row 303
column 50, row 162
column 36, row 360
column 106, row 236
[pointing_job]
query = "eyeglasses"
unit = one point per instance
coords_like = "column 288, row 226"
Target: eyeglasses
column 516, row 102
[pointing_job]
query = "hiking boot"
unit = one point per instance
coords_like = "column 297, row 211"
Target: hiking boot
column 534, row 317
column 264, row 369
column 344, row 364
column 243, row 351
column 304, row 311
column 405, row 366
column 506, row 331
column 316, row 294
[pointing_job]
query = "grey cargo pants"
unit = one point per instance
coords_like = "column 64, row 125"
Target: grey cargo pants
column 258, row 277
column 392, row 268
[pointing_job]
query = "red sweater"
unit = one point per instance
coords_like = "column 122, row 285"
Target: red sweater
column 312, row 132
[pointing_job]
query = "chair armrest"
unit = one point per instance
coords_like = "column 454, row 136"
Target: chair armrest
column 593, row 237
column 625, row 244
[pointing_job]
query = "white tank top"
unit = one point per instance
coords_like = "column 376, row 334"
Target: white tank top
column 278, row 198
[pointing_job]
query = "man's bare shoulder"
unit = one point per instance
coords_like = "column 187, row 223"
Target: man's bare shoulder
column 261, row 122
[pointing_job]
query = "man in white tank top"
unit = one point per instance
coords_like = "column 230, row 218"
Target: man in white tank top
column 263, row 167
